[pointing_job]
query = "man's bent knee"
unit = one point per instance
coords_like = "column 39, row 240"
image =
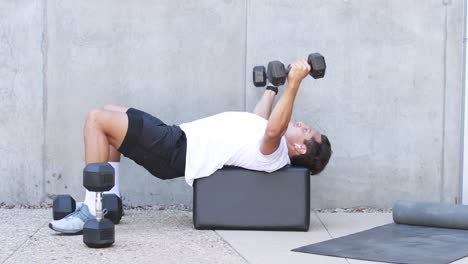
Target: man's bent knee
column 92, row 119
column 112, row 123
column 115, row 108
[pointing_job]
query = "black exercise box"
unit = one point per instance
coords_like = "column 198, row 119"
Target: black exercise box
column 238, row 199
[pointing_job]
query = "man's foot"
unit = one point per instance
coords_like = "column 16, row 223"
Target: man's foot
column 74, row 222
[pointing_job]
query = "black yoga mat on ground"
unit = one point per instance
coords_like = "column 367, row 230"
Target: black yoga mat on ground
column 425, row 233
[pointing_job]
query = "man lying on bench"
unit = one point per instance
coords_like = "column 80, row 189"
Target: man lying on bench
column 262, row 141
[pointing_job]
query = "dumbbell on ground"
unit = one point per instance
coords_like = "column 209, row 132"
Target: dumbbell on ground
column 64, row 205
column 98, row 232
column 276, row 73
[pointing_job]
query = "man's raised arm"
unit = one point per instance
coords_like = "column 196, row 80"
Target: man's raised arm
column 263, row 107
column 281, row 115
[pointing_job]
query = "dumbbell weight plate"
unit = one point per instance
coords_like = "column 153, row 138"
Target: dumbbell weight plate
column 259, row 76
column 98, row 177
column 63, row 205
column 318, row 65
column 276, row 73
column 113, row 204
column 98, row 234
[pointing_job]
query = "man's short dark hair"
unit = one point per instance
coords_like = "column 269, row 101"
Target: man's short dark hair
column 316, row 156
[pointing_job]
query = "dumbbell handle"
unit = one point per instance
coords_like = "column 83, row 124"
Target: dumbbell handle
column 309, row 61
column 99, row 215
column 288, row 69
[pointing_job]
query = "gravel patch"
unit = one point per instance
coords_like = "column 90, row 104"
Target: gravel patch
column 188, row 208
column 180, row 207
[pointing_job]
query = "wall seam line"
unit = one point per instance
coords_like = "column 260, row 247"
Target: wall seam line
column 245, row 53
column 461, row 195
column 444, row 95
column 44, row 52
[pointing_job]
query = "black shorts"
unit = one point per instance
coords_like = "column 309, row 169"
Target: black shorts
column 159, row 148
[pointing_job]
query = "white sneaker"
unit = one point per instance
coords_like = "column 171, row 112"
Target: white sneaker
column 74, row 222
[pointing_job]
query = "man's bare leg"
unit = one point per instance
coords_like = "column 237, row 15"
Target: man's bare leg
column 114, row 154
column 103, row 128
column 104, row 131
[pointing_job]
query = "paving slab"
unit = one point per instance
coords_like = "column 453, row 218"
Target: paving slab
column 143, row 236
column 275, row 246
column 461, row 261
column 342, row 224
column 17, row 225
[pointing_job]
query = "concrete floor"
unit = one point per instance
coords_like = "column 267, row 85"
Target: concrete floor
column 168, row 236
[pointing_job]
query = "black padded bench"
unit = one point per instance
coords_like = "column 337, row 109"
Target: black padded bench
column 238, row 199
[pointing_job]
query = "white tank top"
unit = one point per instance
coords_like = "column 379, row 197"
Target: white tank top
column 229, row 138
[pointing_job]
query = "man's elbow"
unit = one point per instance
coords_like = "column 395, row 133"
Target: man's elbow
column 272, row 133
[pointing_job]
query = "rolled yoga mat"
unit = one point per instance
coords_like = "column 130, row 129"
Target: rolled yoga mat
column 431, row 214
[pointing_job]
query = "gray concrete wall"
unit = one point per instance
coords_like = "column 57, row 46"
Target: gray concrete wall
column 21, row 102
column 390, row 102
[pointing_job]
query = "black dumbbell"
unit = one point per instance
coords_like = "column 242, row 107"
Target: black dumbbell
column 98, row 232
column 113, row 204
column 276, row 73
column 259, row 76
column 64, row 205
